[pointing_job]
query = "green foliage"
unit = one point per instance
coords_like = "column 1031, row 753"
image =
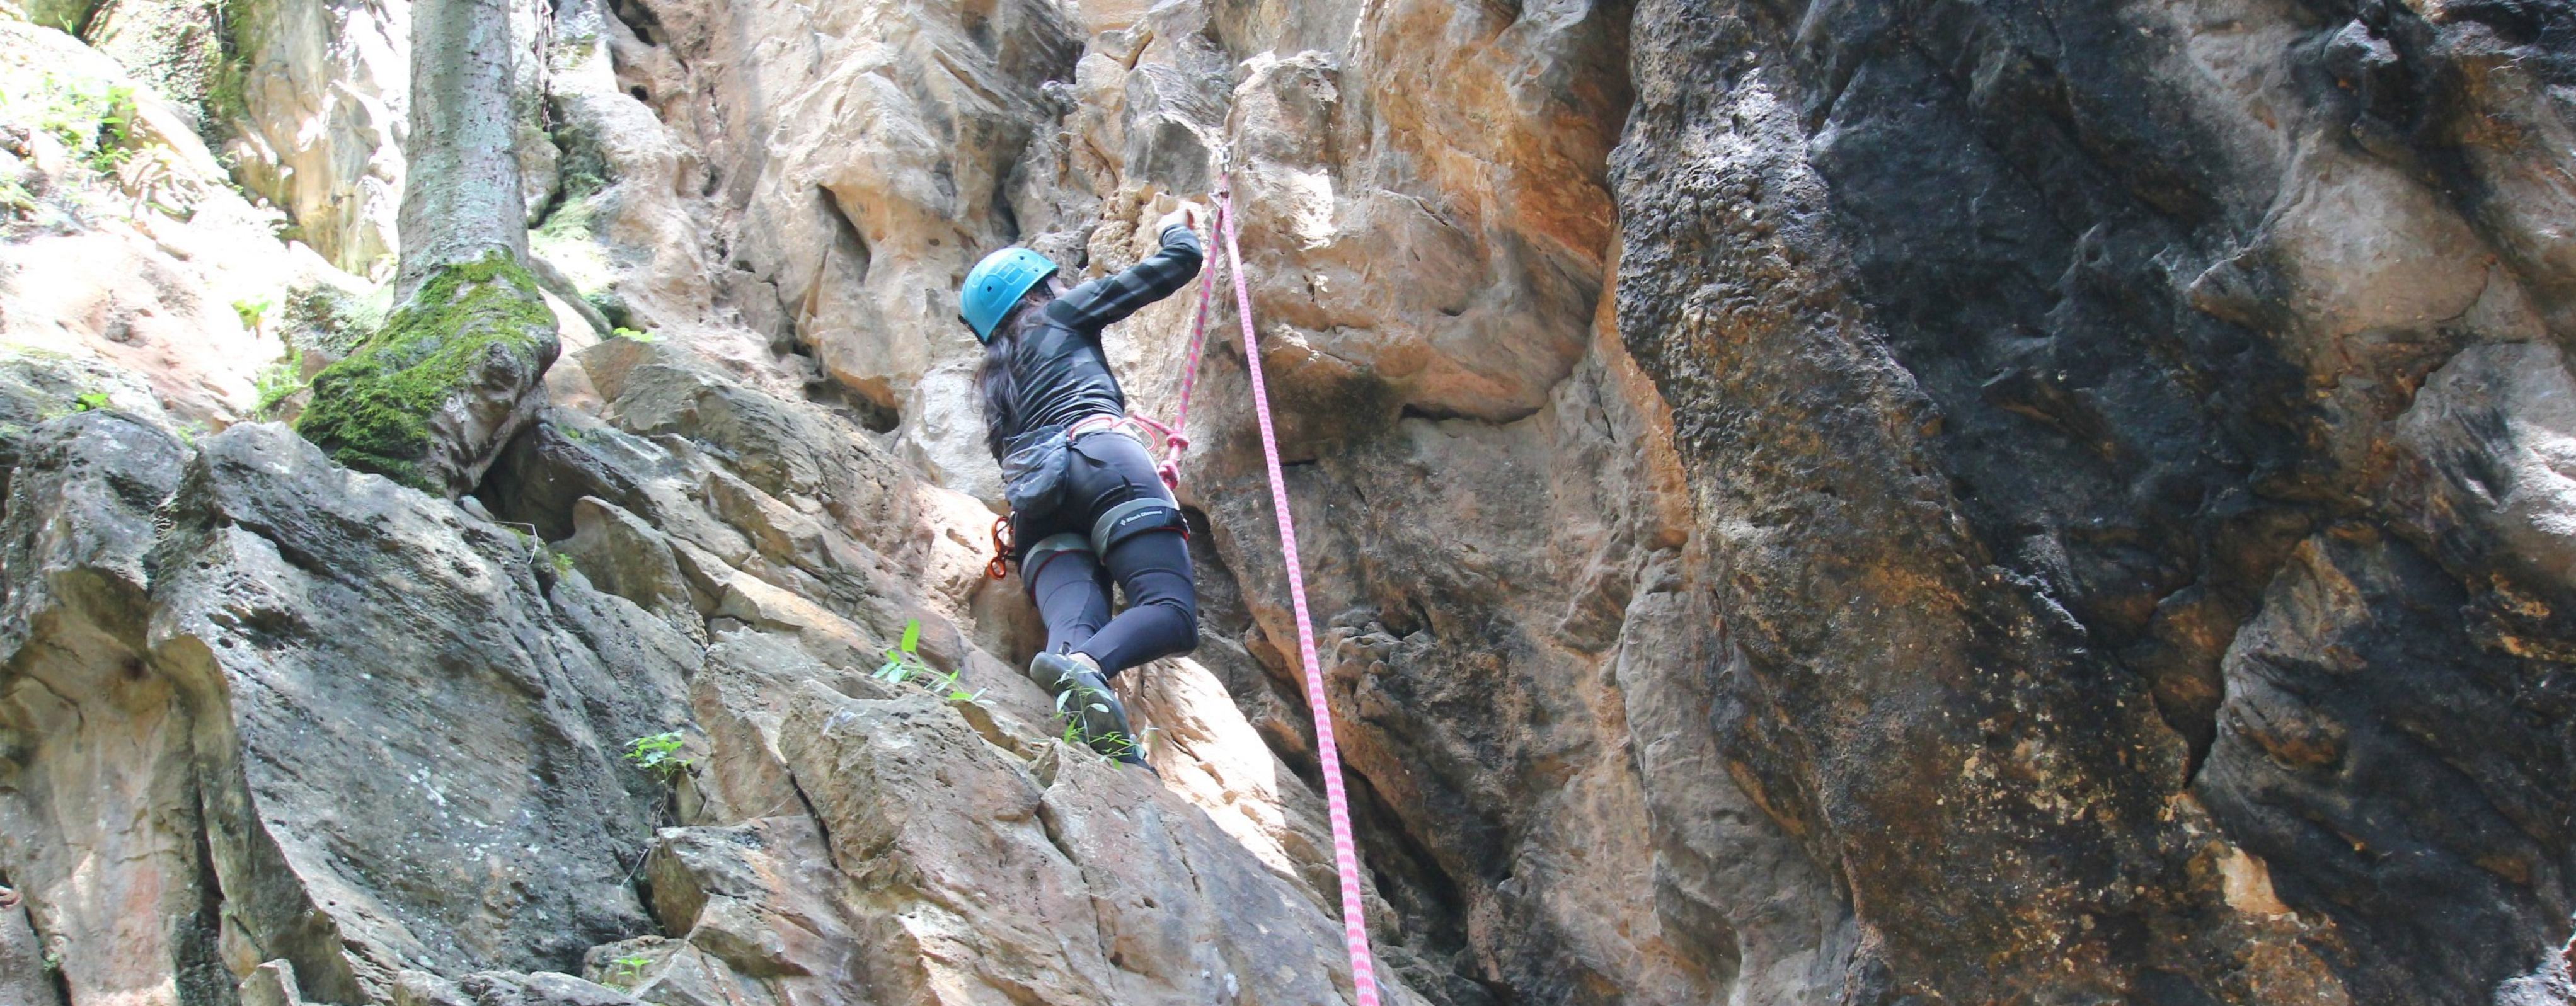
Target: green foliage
column 327, row 318
column 635, row 334
column 94, row 120
column 278, row 381
column 1110, row 745
column 15, row 198
column 372, row 410
column 659, row 756
column 563, row 560
column 90, row 401
column 253, row 311
column 904, row 663
column 227, row 97
column 625, row 971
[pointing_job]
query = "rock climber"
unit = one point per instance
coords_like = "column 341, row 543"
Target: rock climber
column 1087, row 506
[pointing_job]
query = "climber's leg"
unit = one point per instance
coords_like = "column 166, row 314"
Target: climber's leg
column 1136, row 530
column 1065, row 580
column 1162, row 616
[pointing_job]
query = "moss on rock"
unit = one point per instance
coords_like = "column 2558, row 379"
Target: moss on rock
column 379, row 410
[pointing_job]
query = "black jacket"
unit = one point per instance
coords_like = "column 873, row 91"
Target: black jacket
column 1058, row 372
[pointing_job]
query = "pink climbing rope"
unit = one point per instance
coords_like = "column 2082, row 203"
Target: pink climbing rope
column 1345, row 855
column 1336, row 797
column 1173, row 441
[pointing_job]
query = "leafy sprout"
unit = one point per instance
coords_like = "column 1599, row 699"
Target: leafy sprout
column 628, row 970
column 278, row 381
column 91, row 401
column 253, row 311
column 659, row 756
column 904, row 663
column 1109, row 745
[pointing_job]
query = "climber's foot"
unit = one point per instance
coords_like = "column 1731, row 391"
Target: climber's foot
column 1083, row 693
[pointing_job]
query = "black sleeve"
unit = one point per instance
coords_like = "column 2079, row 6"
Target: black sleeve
column 1093, row 305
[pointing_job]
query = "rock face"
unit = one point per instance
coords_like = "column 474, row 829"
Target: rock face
column 325, row 89
column 1846, row 502
column 2091, row 495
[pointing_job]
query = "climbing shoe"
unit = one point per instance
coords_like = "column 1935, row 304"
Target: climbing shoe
column 1083, row 694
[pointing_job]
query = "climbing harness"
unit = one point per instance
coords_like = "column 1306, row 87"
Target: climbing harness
column 1336, row 797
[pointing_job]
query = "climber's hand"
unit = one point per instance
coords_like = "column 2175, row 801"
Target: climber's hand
column 8, row 898
column 1189, row 215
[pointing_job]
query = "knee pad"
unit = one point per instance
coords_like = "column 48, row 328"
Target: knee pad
column 1135, row 517
column 1049, row 547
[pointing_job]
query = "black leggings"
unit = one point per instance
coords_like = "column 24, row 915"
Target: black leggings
column 1105, row 469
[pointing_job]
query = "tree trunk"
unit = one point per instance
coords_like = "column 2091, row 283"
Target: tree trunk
column 459, row 369
column 462, row 198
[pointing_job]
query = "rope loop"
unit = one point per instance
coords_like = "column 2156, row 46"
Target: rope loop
column 1000, row 567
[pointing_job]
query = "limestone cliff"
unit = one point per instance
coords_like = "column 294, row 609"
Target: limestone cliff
column 1834, row 502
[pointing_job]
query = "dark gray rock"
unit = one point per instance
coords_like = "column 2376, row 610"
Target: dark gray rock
column 2403, row 774
column 2013, row 352
column 96, row 758
column 36, row 387
column 505, row 988
column 406, row 720
column 24, row 978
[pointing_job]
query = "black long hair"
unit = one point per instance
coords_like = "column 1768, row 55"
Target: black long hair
column 994, row 381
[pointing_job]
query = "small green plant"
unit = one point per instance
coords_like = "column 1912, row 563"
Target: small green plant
column 95, row 122
column 659, row 756
column 626, row 971
column 633, row 334
column 278, row 381
column 1111, row 745
column 91, row 401
column 15, row 198
column 905, row 659
column 563, row 561
column 253, row 311
column 904, row 663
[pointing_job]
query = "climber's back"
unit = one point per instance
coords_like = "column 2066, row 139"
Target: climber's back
column 1087, row 502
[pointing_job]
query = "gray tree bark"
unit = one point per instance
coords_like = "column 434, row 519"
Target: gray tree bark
column 462, row 197
column 459, row 369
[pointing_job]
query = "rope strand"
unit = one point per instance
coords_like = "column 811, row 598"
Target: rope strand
column 1345, row 853
column 1173, row 440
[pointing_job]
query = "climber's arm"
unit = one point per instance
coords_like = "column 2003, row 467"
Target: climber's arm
column 1095, row 304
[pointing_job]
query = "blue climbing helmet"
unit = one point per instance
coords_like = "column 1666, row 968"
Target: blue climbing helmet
column 997, row 283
